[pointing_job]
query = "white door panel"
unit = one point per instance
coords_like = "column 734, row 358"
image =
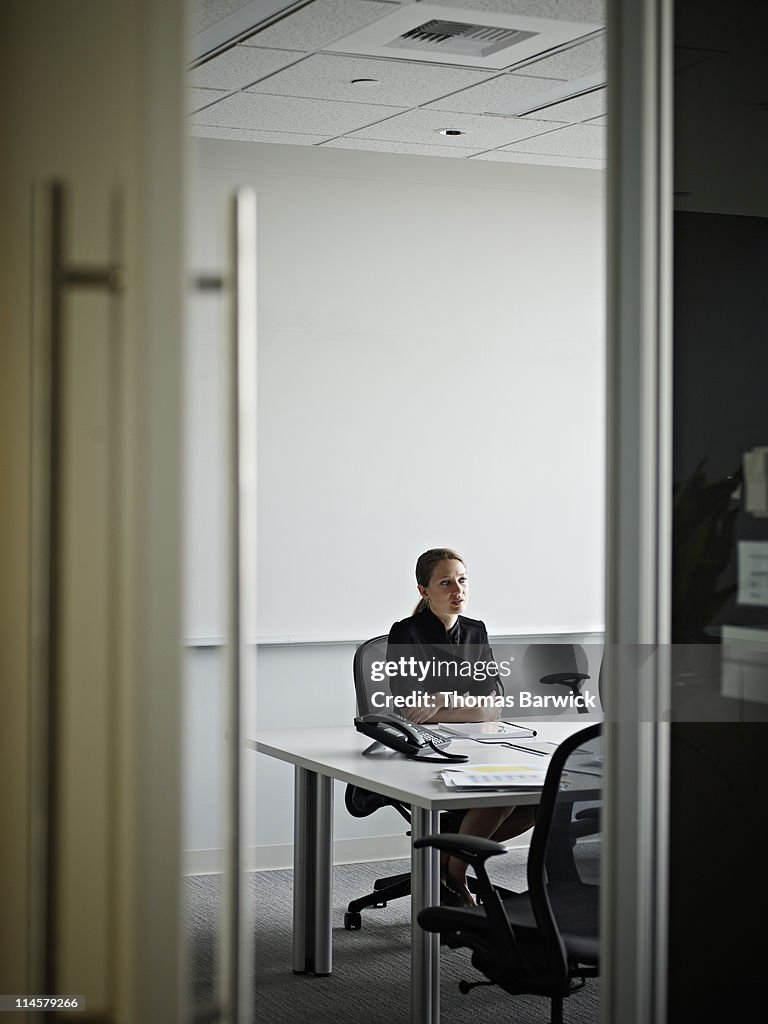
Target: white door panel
column 91, row 97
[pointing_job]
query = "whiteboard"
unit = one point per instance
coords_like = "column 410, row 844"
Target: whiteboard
column 439, row 383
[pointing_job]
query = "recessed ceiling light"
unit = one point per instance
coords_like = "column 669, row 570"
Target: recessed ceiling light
column 365, row 82
column 451, row 131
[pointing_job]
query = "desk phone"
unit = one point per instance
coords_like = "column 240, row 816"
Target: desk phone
column 401, row 734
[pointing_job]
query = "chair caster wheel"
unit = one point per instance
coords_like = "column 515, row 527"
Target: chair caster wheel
column 353, row 922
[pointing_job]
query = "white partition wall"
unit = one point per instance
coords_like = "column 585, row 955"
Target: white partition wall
column 431, row 372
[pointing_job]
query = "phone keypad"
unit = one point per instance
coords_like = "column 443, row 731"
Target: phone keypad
column 426, row 735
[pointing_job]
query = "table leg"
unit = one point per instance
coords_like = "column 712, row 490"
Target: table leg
column 312, row 872
column 425, row 946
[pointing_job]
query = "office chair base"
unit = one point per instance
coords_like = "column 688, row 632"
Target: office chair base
column 384, row 889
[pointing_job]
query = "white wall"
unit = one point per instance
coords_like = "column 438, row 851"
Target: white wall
column 399, row 297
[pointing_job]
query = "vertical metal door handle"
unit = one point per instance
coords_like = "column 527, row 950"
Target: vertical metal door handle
column 62, row 277
column 232, row 1007
column 242, row 526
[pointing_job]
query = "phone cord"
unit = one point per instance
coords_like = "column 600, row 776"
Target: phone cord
column 444, row 755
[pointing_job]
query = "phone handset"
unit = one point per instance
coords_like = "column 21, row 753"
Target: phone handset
column 406, row 737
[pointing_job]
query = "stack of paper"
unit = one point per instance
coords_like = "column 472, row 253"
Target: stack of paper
column 493, row 776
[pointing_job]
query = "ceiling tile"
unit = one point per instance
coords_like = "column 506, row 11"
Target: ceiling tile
column 398, row 147
column 489, row 97
column 584, row 140
column 576, row 62
column 199, row 98
column 204, row 13
column 598, row 120
column 290, row 114
column 202, row 131
column 580, row 108
column 549, row 160
column 592, row 11
column 240, row 66
column 422, row 126
column 320, row 23
column 401, row 84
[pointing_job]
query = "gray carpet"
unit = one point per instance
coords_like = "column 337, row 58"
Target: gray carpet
column 371, row 967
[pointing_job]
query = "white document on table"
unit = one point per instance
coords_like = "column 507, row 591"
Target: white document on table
column 493, row 776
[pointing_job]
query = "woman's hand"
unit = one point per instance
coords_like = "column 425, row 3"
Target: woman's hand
column 440, row 711
column 446, row 713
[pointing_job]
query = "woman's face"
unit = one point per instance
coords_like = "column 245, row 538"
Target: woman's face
column 447, row 589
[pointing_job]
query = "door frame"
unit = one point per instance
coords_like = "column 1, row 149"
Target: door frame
column 639, row 503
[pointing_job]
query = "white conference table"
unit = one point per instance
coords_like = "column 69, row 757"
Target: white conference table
column 319, row 756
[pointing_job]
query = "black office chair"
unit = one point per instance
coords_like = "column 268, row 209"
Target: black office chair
column 361, row 802
column 544, row 941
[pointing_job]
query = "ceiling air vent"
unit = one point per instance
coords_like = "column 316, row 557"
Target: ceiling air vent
column 476, row 41
column 450, row 35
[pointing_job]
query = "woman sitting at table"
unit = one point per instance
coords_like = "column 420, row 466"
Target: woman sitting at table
column 438, row 634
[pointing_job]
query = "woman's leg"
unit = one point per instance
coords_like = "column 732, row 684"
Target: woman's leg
column 519, row 820
column 498, row 823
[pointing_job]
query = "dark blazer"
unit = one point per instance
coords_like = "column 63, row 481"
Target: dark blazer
column 424, row 637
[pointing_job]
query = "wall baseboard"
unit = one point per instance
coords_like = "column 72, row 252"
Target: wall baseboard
column 280, row 855
column 345, row 851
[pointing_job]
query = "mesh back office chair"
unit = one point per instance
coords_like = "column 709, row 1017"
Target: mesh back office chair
column 361, row 802
column 362, row 668
column 544, row 941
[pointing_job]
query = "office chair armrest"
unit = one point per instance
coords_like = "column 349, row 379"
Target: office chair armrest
column 474, row 850
column 565, row 677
